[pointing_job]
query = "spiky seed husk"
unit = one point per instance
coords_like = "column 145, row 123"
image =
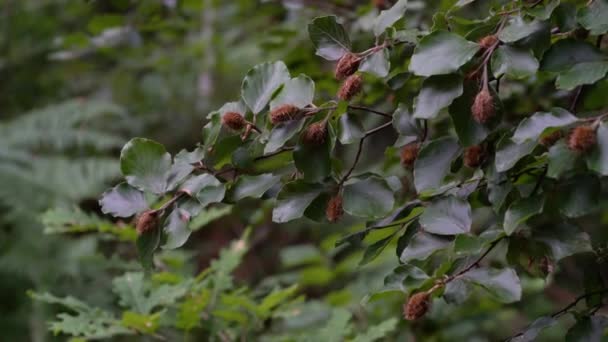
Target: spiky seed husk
column 347, row 65
column 284, row 113
column 146, row 221
column 234, row 121
column 550, row 139
column 351, row 87
column 582, row 138
column 487, row 41
column 409, row 153
column 315, row 134
column 483, row 106
column 334, row 210
column 381, row 4
column 416, row 306
column 473, row 156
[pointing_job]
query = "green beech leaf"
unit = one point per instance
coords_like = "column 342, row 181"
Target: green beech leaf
column 183, row 166
column 597, row 159
column 281, row 133
column 447, row 216
column 441, row 52
column 176, row 229
column 517, row 29
column 252, row 186
column 405, row 278
column 503, row 284
column 437, row 93
column 516, row 63
column 566, row 53
column 377, row 332
column 520, row 211
column 532, row 127
column 211, row 131
column 588, row 328
column 293, row 200
column 583, row 73
column 207, row 189
column 544, row 11
column 147, row 243
column 378, row 63
column 329, row 37
column 404, row 123
column 375, row 249
column 580, row 197
column 370, row 197
column 389, row 17
column 123, row 201
column 298, row 91
column 593, row 17
column 563, row 240
column 261, row 82
column 457, row 291
column 469, row 131
column 313, row 161
column 561, row 159
column 422, row 246
column 532, row 331
column 145, row 164
column 509, row 153
column 350, row 129
column 433, row 162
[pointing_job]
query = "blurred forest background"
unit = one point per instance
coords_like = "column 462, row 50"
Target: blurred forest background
column 79, row 78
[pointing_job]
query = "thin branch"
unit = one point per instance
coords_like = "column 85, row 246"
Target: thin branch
column 575, row 99
column 370, row 110
column 476, row 262
column 272, row 154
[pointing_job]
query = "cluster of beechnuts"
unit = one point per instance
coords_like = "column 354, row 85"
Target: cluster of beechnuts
column 581, row 139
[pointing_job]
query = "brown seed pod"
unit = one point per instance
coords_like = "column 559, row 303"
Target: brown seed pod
column 146, row 221
column 381, row 4
column 582, row 138
column 550, row 139
column 409, row 153
column 483, row 106
column 284, row 113
column 234, row 120
column 351, row 87
column 347, row 65
column 488, row 41
column 315, row 134
column 334, row 210
column 474, row 156
column 416, row 306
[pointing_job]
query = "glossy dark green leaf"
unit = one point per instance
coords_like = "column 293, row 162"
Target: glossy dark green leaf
column 516, row 63
column 433, row 162
column 588, row 328
column 375, row 249
column 469, row 131
column 563, row 240
column 593, row 17
column 313, row 161
column 437, row 92
column 145, row 164
column 123, row 201
column 447, row 216
column 329, row 37
column 405, row 278
column 566, row 53
column 422, row 246
column 261, row 82
column 597, row 159
column 508, row 153
column 404, row 123
column 534, row 329
column 532, row 127
column 176, row 229
column 281, row 133
column 293, row 200
column 520, row 211
column 580, row 196
column 147, row 243
column 350, row 129
column 183, row 166
column 457, row 291
column 544, row 11
column 298, row 91
column 389, row 17
column 252, row 186
column 207, row 189
column 503, row 284
column 582, row 73
column 370, row 197
column 378, row 63
column 517, row 29
column 441, row 52
column 561, row 159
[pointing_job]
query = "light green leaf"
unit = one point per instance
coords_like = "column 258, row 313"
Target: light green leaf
column 147, row 324
column 377, row 331
column 252, row 186
column 375, row 249
column 441, row 52
column 298, row 91
column 329, row 37
column 147, row 243
column 503, row 284
column 517, row 29
column 543, row 12
column 433, row 162
column 447, row 216
column 405, row 278
column 293, row 200
column 532, row 127
column 145, row 164
column 514, row 62
column 122, row 201
column 593, row 17
column 389, row 17
column 597, row 159
column 422, row 246
column 582, row 73
column 370, row 197
column 561, row 159
column 261, row 82
column 378, row 63
column 520, row 211
column 437, row 93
